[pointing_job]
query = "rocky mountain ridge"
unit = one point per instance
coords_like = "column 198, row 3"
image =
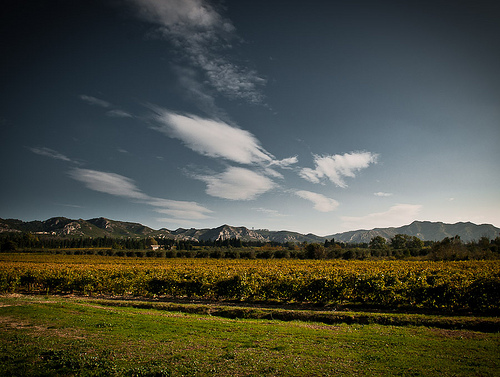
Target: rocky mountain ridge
column 102, row 227
column 425, row 230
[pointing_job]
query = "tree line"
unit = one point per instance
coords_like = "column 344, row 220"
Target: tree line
column 401, row 246
column 13, row 241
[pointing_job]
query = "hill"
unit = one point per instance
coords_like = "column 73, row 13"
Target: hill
column 425, row 230
column 102, row 227
column 64, row 227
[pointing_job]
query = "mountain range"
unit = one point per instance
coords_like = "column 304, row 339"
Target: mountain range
column 102, row 227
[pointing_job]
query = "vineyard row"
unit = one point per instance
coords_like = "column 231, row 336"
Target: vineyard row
column 467, row 285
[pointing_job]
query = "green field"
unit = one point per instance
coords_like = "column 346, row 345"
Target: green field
column 47, row 335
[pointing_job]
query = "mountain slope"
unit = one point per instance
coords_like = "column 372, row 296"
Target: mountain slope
column 119, row 229
column 102, row 227
column 63, row 227
column 425, row 230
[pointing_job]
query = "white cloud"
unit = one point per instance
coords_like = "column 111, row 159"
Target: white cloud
column 109, row 183
column 95, row 101
column 212, row 138
column 286, row 162
column 118, row 185
column 47, row 152
column 201, row 33
column 237, row 184
column 336, row 167
column 321, row 202
column 383, row 194
column 272, row 173
column 397, row 215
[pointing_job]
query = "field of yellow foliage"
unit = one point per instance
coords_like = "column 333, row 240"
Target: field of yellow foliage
column 464, row 285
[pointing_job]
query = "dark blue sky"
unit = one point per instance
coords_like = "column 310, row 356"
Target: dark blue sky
column 308, row 116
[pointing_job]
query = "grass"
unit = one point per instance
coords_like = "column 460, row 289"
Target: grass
column 56, row 336
column 285, row 312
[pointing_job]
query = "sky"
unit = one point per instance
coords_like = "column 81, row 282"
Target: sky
column 309, row 116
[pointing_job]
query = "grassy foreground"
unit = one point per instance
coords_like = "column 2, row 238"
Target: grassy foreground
column 50, row 336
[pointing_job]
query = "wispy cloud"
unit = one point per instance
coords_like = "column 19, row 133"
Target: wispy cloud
column 397, row 215
column 321, row 202
column 237, row 184
column 183, row 213
column 179, row 209
column 177, row 222
column 212, row 138
column 180, row 15
column 269, row 212
column 336, row 167
column 68, row 205
column 109, row 183
column 47, row 152
column 286, row 162
column 383, row 194
column 218, row 139
column 95, row 101
column 117, row 113
column 118, row 185
column 203, row 36
column 231, row 80
column 113, row 112
column 195, row 91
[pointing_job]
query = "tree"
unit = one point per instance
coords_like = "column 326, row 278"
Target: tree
column 406, row 242
column 378, row 242
column 484, row 243
column 315, row 251
column 151, row 241
column 449, row 249
column 415, row 243
column 400, row 241
column 9, row 245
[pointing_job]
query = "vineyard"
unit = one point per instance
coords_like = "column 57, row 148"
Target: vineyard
column 466, row 285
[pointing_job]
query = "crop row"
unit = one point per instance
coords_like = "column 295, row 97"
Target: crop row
column 468, row 285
